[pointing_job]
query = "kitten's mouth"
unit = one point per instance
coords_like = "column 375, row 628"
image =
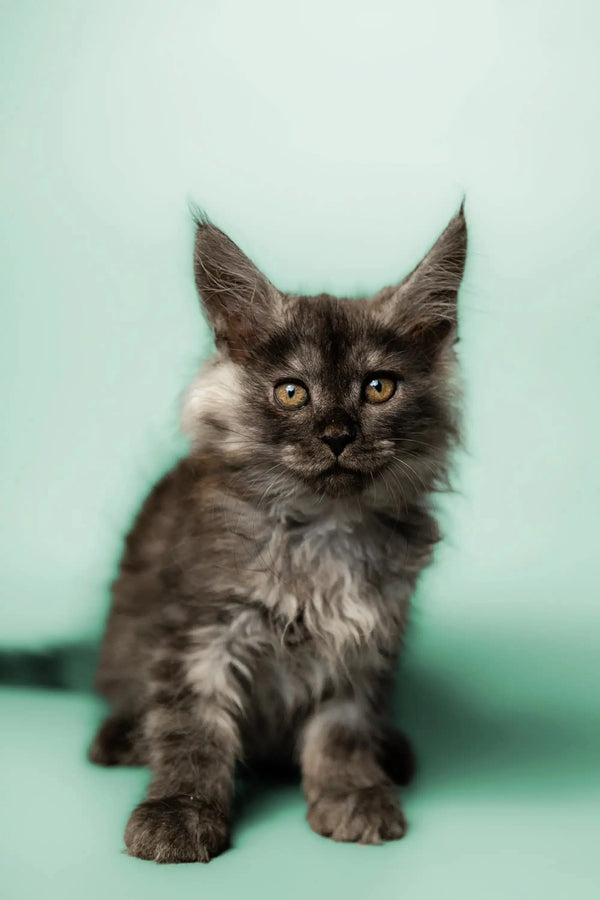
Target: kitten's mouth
column 339, row 480
column 337, row 466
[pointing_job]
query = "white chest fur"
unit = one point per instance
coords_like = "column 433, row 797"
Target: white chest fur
column 333, row 571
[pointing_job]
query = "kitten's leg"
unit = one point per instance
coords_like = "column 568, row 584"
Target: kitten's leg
column 350, row 797
column 193, row 740
column 193, row 749
column 118, row 742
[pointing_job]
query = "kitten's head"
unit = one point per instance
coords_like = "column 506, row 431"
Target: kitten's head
column 323, row 395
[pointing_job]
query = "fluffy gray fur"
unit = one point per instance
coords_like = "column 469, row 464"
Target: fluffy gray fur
column 263, row 593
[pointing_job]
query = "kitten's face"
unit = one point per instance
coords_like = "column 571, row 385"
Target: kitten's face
column 338, row 396
column 324, row 395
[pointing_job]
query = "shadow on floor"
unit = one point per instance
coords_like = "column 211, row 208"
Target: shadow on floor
column 476, row 732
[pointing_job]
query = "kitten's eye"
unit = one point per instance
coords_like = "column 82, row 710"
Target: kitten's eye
column 291, row 394
column 379, row 388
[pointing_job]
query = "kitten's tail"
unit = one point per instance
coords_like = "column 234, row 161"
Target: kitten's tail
column 65, row 667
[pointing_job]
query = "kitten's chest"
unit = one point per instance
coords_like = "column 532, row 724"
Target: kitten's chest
column 324, row 578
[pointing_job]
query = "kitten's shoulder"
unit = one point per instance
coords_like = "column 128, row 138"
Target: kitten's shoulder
column 168, row 503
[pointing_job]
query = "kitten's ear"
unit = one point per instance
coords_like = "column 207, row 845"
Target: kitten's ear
column 423, row 307
column 238, row 299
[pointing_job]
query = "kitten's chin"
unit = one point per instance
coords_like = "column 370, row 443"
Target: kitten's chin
column 339, row 482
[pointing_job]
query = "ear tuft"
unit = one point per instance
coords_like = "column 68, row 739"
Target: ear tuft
column 199, row 215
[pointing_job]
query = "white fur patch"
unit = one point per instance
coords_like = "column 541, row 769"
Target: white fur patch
column 214, row 394
column 320, row 570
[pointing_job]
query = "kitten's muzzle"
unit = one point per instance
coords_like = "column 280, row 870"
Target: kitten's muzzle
column 337, row 436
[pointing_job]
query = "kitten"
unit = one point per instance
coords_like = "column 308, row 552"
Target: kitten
column 264, row 589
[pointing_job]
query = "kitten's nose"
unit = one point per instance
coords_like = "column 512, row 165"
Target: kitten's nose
column 337, row 436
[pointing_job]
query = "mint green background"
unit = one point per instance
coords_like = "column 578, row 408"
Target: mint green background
column 333, row 141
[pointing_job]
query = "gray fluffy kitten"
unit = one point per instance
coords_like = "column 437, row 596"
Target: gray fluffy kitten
column 264, row 589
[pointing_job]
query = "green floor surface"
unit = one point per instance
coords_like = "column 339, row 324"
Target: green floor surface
column 506, row 803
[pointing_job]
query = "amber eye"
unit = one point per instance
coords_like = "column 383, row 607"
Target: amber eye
column 291, row 394
column 379, row 388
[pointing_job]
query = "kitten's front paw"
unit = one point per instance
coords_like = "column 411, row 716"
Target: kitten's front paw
column 366, row 816
column 176, row 830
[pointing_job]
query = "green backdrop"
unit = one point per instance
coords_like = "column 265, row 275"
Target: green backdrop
column 333, row 141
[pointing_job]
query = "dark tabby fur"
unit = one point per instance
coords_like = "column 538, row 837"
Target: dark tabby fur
column 263, row 593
